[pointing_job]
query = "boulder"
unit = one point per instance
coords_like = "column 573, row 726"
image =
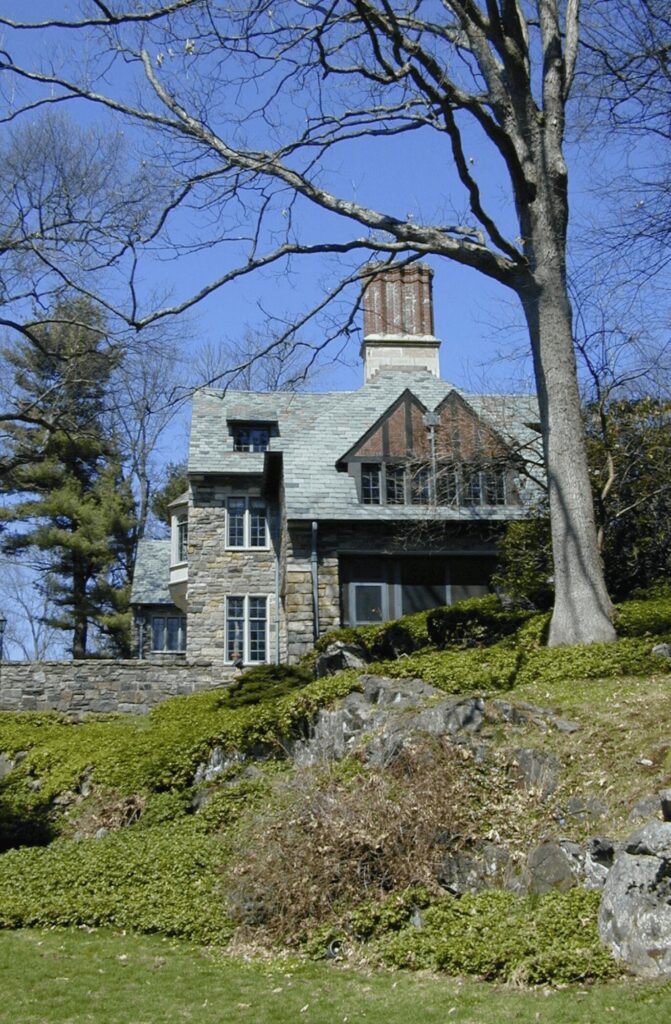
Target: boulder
column 470, row 871
column 338, row 656
column 599, row 857
column 555, row 865
column 536, row 770
column 635, row 914
column 662, row 650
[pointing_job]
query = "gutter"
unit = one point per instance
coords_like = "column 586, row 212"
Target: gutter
column 314, row 567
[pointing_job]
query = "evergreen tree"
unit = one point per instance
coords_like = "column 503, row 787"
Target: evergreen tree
column 62, row 476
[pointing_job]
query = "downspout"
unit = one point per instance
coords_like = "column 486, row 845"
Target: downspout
column 277, row 599
column 314, row 565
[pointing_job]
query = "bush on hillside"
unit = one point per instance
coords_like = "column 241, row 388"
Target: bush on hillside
column 477, row 622
column 627, row 657
column 471, row 671
column 265, row 682
column 525, row 566
column 651, row 617
column 387, row 640
column 498, row 936
column 327, row 842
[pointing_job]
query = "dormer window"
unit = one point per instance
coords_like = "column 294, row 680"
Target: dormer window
column 251, row 437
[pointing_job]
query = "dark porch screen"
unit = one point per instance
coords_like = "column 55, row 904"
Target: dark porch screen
column 422, row 584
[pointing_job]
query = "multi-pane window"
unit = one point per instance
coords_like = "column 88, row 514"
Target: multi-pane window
column 182, row 537
column 447, row 486
column 455, row 485
column 494, row 486
column 471, row 489
column 246, row 525
column 420, row 485
column 257, row 523
column 370, row 484
column 251, row 438
column 168, row 634
column 246, row 629
column 395, row 485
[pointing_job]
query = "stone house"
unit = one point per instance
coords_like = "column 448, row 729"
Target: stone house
column 307, row 511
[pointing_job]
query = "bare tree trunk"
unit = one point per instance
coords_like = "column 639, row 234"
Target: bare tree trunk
column 582, row 609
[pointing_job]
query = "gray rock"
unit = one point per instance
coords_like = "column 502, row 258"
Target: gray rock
column 599, row 857
column 645, row 808
column 565, row 725
column 338, row 656
column 6, row 765
column 451, row 716
column 553, row 865
column 587, row 808
column 382, row 720
column 101, row 833
column 665, row 802
column 635, row 914
column 536, row 770
column 217, row 763
column 401, row 693
column 471, row 871
column 662, row 650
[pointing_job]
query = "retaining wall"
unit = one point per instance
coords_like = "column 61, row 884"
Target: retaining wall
column 79, row 688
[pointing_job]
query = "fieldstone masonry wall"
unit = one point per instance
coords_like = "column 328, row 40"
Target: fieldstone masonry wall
column 79, row 688
column 216, row 571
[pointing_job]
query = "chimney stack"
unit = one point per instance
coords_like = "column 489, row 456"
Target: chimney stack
column 398, row 320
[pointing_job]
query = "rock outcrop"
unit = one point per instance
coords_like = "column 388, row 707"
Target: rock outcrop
column 635, row 914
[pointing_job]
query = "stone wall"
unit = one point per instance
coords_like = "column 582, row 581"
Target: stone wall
column 81, row 687
column 216, row 572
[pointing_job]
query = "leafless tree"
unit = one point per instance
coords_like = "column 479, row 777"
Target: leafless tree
column 26, row 606
column 626, row 86
column 249, row 106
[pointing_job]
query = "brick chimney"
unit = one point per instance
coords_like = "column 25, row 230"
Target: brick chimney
column 398, row 320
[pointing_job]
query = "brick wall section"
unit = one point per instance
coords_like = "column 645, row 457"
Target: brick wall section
column 80, row 688
column 399, row 302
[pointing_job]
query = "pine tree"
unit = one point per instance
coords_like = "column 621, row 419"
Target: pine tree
column 62, row 480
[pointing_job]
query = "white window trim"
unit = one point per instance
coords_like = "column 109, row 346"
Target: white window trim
column 246, row 627
column 247, row 525
column 179, row 516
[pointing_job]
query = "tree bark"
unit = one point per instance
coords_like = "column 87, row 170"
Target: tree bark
column 582, row 609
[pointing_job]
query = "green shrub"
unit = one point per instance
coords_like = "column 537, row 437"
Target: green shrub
column 650, row 617
column 497, row 935
column 472, row 671
column 532, row 633
column 228, row 804
column 627, row 657
column 477, row 622
column 164, row 879
column 389, row 639
column 264, row 682
column 525, row 566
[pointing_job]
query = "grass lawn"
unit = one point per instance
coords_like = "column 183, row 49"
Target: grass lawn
column 74, row 977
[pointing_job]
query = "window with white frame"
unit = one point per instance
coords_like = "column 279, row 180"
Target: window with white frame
column 168, row 634
column 246, row 525
column 247, row 628
column 251, row 437
column 181, row 537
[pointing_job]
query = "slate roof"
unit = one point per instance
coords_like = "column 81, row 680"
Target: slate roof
column 315, row 431
column 152, row 572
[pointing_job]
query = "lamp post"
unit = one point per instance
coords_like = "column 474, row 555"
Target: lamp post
column 3, row 624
